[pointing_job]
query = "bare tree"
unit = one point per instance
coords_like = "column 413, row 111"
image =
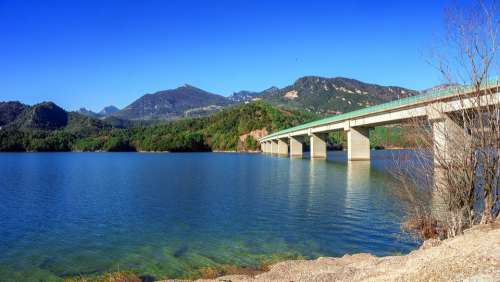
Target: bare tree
column 452, row 182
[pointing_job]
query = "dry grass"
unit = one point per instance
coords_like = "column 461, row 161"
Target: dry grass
column 425, row 227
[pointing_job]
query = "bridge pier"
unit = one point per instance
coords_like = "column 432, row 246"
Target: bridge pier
column 448, row 139
column 274, row 146
column 265, row 147
column 450, row 142
column 317, row 145
column 358, row 143
column 295, row 147
column 282, row 147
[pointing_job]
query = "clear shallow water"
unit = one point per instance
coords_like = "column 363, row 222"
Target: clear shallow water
column 167, row 215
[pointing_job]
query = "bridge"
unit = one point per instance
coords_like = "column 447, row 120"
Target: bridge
column 434, row 106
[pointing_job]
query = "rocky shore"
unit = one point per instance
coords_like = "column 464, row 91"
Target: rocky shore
column 474, row 256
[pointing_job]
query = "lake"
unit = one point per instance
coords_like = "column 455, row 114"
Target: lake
column 170, row 214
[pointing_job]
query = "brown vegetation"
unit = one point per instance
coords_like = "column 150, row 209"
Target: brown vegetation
column 453, row 182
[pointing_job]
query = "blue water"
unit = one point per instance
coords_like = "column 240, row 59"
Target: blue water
column 168, row 215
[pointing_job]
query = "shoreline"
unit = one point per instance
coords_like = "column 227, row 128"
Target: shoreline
column 214, row 151
column 473, row 256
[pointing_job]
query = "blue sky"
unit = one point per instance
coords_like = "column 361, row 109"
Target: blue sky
column 95, row 53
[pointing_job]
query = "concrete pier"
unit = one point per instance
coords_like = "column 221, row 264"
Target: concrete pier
column 296, row 148
column 282, row 147
column 266, row 147
column 274, row 146
column 358, row 144
column 450, row 141
column 318, row 146
column 451, row 145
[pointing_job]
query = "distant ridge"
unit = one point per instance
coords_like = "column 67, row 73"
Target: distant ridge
column 244, row 96
column 107, row 111
column 89, row 113
column 315, row 94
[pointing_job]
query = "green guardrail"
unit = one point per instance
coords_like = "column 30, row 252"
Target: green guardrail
column 385, row 106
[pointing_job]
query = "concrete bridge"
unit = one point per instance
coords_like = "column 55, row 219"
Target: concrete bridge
column 435, row 106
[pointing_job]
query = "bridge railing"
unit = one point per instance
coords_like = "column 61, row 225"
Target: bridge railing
column 431, row 95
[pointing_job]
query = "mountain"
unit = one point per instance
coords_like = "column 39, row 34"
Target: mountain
column 326, row 96
column 185, row 101
column 319, row 95
column 9, row 111
column 109, row 110
column 45, row 127
column 45, row 116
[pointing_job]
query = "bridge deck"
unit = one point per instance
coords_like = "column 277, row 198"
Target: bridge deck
column 428, row 97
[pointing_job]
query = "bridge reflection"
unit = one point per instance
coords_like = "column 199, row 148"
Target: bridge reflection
column 358, row 180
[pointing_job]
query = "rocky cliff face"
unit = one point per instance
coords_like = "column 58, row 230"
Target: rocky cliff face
column 252, row 136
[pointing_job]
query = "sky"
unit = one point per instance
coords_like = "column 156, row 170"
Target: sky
column 94, row 53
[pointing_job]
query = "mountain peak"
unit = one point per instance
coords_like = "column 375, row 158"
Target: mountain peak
column 271, row 89
column 188, row 86
column 309, row 79
column 108, row 110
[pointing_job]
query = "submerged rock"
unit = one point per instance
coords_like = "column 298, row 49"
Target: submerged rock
column 181, row 251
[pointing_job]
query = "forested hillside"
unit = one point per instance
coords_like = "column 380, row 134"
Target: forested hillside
column 54, row 130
